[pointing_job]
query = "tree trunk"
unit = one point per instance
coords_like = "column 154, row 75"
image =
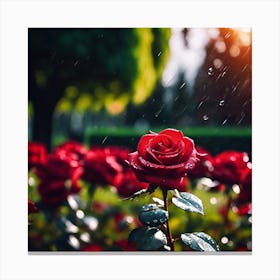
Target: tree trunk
column 42, row 122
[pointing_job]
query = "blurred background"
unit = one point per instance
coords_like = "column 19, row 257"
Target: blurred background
column 108, row 87
column 111, row 85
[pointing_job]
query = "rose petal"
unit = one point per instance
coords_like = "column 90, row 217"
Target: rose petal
column 170, row 183
column 173, row 133
column 189, row 147
column 143, row 143
column 179, row 169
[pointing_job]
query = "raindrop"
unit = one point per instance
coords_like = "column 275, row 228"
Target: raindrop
column 76, row 63
column 210, row 71
column 224, row 121
column 104, row 140
column 244, row 68
column 227, row 35
column 241, row 119
column 158, row 112
column 183, row 84
column 200, row 104
column 205, row 118
column 159, row 54
column 223, row 74
column 222, row 103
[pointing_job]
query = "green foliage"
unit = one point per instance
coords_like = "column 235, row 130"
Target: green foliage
column 188, row 202
column 152, row 215
column 107, row 64
column 200, row 241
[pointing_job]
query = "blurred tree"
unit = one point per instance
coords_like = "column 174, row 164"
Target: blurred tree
column 223, row 88
column 114, row 66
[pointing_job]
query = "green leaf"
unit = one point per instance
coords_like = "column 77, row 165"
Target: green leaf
column 152, row 215
column 148, row 238
column 188, row 202
column 158, row 201
column 200, row 241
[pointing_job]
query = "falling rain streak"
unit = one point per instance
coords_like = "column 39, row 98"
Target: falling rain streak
column 210, row 71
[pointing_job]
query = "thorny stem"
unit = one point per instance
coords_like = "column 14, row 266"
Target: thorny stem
column 169, row 235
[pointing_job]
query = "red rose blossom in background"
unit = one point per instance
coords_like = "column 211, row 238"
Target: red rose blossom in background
column 71, row 148
column 92, row 248
column 204, row 166
column 103, row 164
column 127, row 183
column 54, row 192
column 229, row 166
column 164, row 158
column 243, row 202
column 37, row 154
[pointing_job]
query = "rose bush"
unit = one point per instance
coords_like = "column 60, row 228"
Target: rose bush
column 81, row 189
column 164, row 158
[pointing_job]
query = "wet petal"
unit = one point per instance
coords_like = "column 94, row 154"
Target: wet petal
column 173, row 133
column 143, row 144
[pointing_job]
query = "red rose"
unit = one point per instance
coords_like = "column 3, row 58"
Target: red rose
column 73, row 148
column 103, row 164
column 37, row 154
column 229, row 167
column 32, row 208
column 164, row 158
column 244, row 198
column 92, row 248
column 127, row 183
column 203, row 167
column 54, row 192
column 60, row 166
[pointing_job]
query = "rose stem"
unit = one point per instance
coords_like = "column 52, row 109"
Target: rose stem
column 169, row 235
